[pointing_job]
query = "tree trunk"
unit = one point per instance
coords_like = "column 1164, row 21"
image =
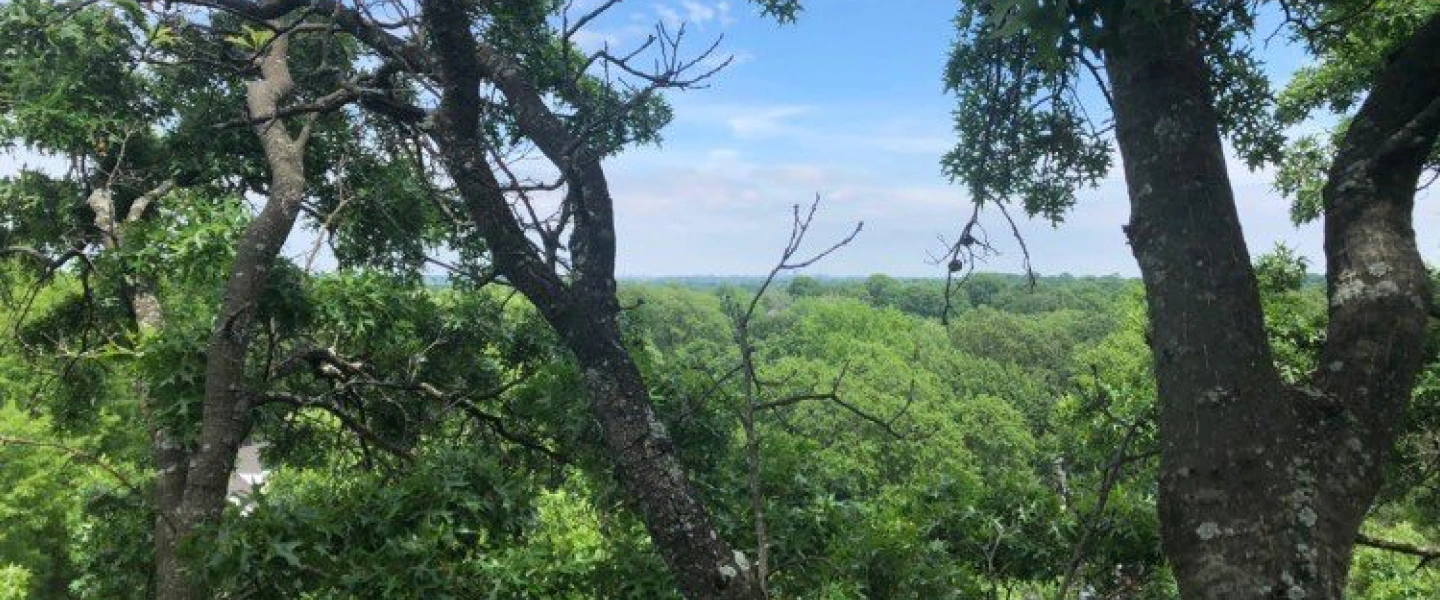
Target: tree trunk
column 226, row 417
column 703, row 564
column 169, row 454
column 1262, row 488
column 172, row 581
column 582, row 309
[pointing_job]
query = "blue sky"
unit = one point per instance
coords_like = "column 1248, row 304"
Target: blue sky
column 847, row 103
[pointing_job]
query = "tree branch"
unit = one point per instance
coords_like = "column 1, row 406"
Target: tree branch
column 1426, row 554
column 142, row 203
column 349, row 20
column 1378, row 286
column 351, row 422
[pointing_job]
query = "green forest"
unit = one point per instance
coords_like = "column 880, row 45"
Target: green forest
column 470, row 403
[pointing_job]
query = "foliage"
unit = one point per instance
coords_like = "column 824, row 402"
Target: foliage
column 14, row 582
column 36, row 510
column 315, row 534
column 1023, row 134
column 1351, row 45
column 1381, row 575
column 1032, row 113
column 968, row 498
column 1294, row 313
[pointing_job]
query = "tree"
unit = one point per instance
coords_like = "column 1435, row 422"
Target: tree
column 155, row 128
column 1263, row 485
column 192, row 477
column 502, row 78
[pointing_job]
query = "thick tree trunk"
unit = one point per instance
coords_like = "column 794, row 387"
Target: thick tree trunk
column 226, row 417
column 1378, row 286
column 1222, row 418
column 1262, row 488
column 170, row 458
column 171, row 575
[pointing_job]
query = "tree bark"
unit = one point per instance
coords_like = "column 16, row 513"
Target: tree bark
column 583, row 310
column 644, row 457
column 226, row 417
column 1262, row 488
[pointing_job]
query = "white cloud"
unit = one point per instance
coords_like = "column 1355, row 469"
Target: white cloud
column 727, row 213
column 725, row 210
column 765, row 121
column 17, row 159
column 812, row 129
column 694, row 13
column 701, row 13
column 930, row 145
column 591, row 40
column 732, row 59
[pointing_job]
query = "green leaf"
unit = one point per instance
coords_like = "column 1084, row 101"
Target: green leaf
column 286, row 551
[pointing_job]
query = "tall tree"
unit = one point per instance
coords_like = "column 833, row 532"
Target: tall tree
column 1263, row 485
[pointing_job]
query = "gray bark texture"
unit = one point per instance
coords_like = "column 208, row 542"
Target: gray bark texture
column 225, row 420
column 1262, row 486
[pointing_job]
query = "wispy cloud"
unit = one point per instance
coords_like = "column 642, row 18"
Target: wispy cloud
column 669, row 15
column 702, row 13
column 827, row 130
column 766, row 121
column 693, row 13
column 592, row 40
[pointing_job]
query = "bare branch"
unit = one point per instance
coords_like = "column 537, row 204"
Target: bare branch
column 1118, row 460
column 326, row 104
column 1019, row 239
column 497, row 425
column 798, row 228
column 351, row 422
